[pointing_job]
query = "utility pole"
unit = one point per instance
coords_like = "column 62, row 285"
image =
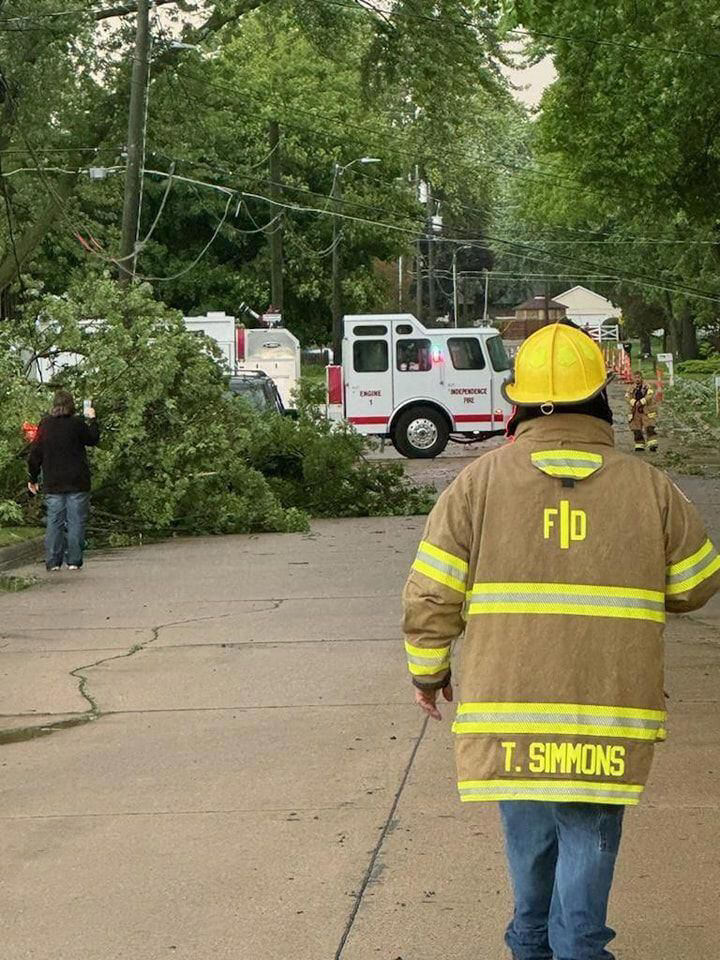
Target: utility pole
column 400, row 283
column 276, row 232
column 135, row 141
column 487, row 284
column 432, row 312
column 336, row 290
column 547, row 304
column 455, row 287
column 419, row 281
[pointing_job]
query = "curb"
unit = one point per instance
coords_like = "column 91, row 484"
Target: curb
column 16, row 554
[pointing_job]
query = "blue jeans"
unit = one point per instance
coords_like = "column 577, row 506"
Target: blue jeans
column 67, row 515
column 562, row 858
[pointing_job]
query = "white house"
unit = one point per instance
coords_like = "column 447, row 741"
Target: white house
column 589, row 309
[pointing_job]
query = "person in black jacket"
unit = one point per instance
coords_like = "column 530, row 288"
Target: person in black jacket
column 59, row 452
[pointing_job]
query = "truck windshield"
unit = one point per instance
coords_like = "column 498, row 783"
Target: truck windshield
column 252, row 391
column 498, row 354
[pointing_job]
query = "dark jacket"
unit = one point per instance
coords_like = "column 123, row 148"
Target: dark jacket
column 59, row 451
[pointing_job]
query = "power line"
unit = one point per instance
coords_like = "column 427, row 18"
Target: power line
column 198, row 258
column 364, row 128
column 402, row 151
column 674, row 288
column 600, row 42
column 531, row 34
column 523, row 246
column 524, row 249
column 609, row 237
column 10, row 151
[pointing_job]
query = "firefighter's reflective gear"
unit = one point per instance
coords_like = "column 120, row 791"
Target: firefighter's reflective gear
column 556, row 365
column 643, row 416
column 532, row 554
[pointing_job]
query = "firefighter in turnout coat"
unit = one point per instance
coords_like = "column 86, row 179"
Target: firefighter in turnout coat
column 559, row 675
column 643, row 414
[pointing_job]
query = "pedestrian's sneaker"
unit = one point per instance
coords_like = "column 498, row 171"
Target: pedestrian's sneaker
column 54, row 569
column 72, row 566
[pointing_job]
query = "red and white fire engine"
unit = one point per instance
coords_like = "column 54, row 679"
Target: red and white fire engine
column 419, row 387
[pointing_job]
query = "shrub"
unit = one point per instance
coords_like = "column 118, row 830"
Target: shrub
column 709, row 365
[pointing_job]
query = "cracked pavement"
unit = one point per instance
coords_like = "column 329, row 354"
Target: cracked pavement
column 249, row 777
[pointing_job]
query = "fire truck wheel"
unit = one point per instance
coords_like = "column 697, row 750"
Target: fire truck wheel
column 421, row 433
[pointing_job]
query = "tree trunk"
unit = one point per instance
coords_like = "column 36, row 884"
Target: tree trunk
column 645, row 343
column 688, row 335
column 673, row 338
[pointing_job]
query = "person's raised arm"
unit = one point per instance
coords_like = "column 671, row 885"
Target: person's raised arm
column 90, row 431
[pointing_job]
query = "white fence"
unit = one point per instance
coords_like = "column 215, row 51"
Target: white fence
column 604, row 333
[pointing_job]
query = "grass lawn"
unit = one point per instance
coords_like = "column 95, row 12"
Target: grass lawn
column 10, row 535
column 314, row 372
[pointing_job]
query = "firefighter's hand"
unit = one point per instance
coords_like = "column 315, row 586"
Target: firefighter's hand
column 425, row 699
column 33, row 488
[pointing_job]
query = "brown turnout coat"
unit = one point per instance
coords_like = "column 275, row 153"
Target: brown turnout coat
column 557, row 557
column 643, row 412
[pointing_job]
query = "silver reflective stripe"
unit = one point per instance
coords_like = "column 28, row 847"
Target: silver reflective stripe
column 554, row 718
column 553, row 462
column 429, row 678
column 458, row 572
column 429, row 661
column 695, row 569
column 545, row 790
column 589, row 600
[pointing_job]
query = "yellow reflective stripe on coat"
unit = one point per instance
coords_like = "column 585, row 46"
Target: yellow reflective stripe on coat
column 575, row 464
column 427, row 662
column 441, row 566
column 560, row 718
column 569, row 791
column 570, row 599
column 692, row 571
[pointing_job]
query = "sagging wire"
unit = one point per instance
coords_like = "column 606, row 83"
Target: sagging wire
column 191, row 266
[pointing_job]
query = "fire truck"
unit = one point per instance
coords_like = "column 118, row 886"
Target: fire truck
column 419, row 388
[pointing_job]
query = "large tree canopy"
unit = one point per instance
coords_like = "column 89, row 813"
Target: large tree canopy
column 627, row 143
column 420, row 89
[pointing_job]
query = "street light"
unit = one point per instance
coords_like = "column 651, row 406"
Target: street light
column 337, row 309
column 456, row 251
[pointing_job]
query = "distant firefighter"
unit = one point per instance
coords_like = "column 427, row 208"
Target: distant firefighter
column 643, row 415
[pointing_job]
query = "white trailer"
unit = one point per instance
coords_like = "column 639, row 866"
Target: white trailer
column 276, row 352
column 220, row 328
column 272, row 350
column 419, row 387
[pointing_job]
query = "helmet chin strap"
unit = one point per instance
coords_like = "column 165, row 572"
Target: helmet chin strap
column 547, row 408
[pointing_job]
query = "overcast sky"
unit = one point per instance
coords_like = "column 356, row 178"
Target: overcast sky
column 533, row 81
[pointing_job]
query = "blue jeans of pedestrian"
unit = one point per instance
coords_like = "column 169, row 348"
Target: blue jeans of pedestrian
column 67, row 515
column 562, row 858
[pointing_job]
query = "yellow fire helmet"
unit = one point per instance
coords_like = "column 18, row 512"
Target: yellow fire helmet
column 557, row 365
